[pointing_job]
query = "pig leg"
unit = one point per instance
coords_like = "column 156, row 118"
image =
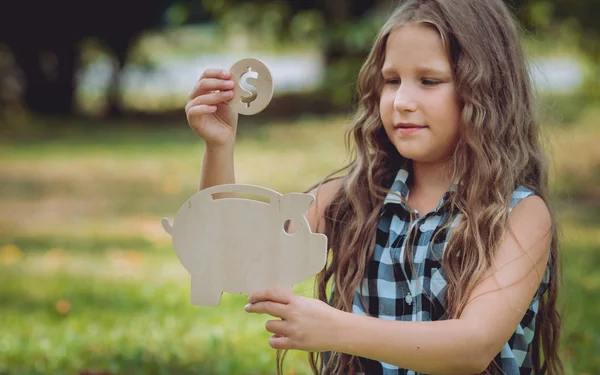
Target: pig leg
column 205, row 291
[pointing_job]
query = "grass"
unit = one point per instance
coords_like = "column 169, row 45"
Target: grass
column 89, row 281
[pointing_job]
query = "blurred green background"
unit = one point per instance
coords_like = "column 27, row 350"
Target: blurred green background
column 95, row 149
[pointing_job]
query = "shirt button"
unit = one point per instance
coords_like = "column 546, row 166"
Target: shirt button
column 410, row 372
column 408, row 300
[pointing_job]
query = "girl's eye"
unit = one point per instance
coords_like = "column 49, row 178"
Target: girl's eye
column 392, row 81
column 430, row 82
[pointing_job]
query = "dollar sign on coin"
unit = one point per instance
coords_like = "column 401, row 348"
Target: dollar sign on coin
column 249, row 78
column 253, row 88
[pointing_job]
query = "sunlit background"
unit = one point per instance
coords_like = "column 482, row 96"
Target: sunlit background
column 95, row 149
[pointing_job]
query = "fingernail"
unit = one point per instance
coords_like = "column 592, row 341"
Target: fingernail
column 228, row 83
column 224, row 73
column 247, row 307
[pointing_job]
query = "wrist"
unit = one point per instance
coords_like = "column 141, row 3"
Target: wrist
column 343, row 324
column 224, row 148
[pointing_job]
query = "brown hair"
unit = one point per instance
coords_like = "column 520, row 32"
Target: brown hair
column 499, row 149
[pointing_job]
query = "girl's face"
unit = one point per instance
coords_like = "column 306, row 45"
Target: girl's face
column 419, row 106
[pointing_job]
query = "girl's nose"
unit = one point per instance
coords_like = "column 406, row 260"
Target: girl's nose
column 404, row 100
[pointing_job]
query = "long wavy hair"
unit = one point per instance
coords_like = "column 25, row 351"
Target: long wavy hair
column 499, row 149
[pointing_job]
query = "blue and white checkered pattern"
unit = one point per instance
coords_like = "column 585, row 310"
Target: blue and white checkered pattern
column 391, row 291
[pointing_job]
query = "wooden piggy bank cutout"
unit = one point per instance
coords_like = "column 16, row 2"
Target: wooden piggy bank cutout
column 239, row 245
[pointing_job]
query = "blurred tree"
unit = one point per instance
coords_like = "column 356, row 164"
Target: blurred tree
column 346, row 29
column 543, row 16
column 44, row 38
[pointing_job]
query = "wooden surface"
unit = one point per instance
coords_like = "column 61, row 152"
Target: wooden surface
column 239, row 245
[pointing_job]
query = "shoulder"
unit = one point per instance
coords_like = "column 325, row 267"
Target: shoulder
column 527, row 239
column 530, row 231
column 529, row 209
column 323, row 194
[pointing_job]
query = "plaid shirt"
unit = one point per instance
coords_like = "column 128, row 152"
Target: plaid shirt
column 391, row 291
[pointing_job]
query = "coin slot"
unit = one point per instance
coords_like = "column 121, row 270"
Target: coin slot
column 251, row 197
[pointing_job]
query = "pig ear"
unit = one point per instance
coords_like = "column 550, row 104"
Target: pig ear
column 298, row 202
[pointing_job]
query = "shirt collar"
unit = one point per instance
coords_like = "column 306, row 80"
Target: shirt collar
column 400, row 187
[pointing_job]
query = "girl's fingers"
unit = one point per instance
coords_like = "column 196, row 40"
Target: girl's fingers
column 272, row 294
column 216, row 73
column 210, row 99
column 207, row 85
column 209, row 74
column 280, row 342
column 201, row 110
column 278, row 327
column 267, row 307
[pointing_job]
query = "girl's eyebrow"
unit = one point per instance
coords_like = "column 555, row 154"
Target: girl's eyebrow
column 421, row 69
column 424, row 69
column 387, row 70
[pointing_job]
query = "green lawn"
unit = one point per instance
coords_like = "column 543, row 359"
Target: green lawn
column 89, row 280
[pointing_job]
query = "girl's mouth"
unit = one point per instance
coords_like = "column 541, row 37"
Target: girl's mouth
column 405, row 128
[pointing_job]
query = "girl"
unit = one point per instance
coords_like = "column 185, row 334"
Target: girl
column 443, row 247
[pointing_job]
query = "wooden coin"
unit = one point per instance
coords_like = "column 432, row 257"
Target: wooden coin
column 253, row 89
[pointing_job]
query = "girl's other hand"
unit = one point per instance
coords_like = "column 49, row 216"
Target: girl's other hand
column 306, row 323
column 207, row 110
